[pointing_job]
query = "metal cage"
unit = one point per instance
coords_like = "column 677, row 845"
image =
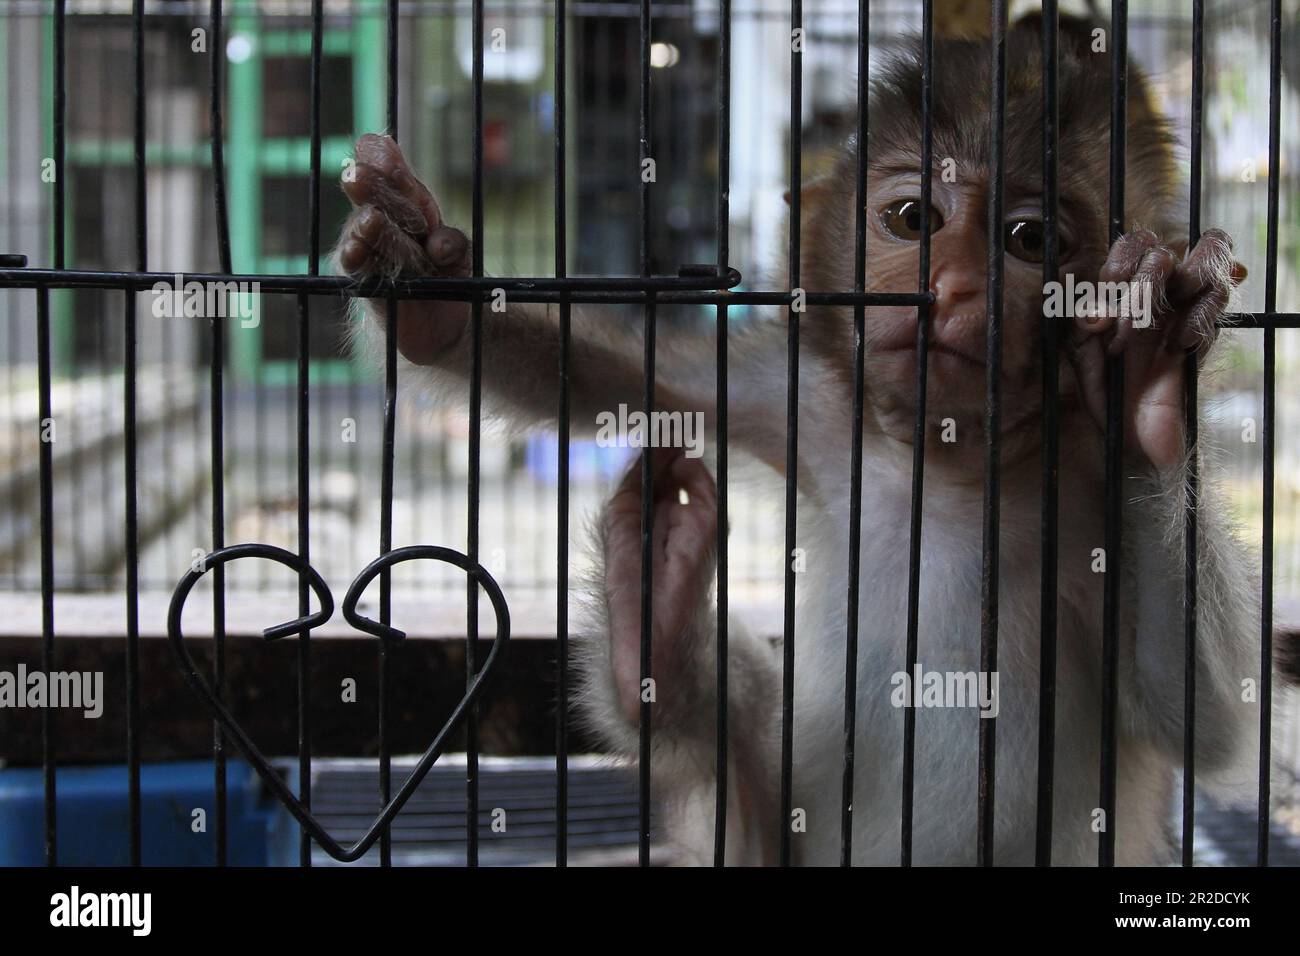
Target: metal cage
column 715, row 286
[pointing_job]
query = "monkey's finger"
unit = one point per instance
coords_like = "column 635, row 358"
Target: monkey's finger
column 392, row 176
column 1150, row 277
column 1126, row 255
column 693, row 478
column 1202, row 325
column 627, row 497
column 689, row 512
column 1154, row 274
column 1123, row 334
column 1087, row 324
column 448, row 249
column 1130, row 254
column 370, row 187
column 1208, row 266
column 1088, row 359
column 373, row 245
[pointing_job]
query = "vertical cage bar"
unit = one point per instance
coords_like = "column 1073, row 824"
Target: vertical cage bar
column 647, row 472
column 791, row 431
column 48, row 760
column 722, row 318
column 1114, row 485
column 386, row 479
column 217, row 425
column 992, row 431
column 1270, row 403
column 1050, row 343
column 475, row 447
column 855, row 463
column 562, row 462
column 1191, row 422
column 304, row 432
column 918, row 433
column 855, row 474
column 48, row 766
column 130, row 445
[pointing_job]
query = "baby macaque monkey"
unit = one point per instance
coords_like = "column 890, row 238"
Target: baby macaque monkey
column 397, row 229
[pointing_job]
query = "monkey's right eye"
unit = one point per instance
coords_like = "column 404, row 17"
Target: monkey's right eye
column 903, row 218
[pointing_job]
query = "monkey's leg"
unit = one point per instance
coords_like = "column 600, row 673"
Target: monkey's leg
column 681, row 688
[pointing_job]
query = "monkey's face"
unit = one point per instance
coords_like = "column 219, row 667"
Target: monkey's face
column 958, row 339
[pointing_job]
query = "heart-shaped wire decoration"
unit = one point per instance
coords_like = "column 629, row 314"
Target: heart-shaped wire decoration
column 273, row 780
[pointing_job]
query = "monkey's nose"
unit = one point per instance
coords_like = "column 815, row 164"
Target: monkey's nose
column 956, row 287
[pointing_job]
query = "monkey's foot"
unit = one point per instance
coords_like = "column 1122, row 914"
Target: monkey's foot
column 396, row 229
column 682, row 560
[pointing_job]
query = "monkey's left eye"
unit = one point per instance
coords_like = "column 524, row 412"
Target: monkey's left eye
column 1025, row 239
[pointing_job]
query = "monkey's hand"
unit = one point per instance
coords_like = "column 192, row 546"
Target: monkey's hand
column 683, row 667
column 685, row 512
column 396, row 229
column 1184, row 298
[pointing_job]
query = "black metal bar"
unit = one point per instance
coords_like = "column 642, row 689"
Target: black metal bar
column 723, row 228
column 852, row 600
column 1270, row 402
column 791, row 433
column 304, row 431
column 1051, row 449
column 386, row 480
column 647, row 473
column 918, row 433
column 1114, row 483
column 45, row 421
column 475, row 439
column 992, row 431
column 217, row 425
column 855, row 464
column 130, row 448
column 60, row 130
column 48, row 764
column 1191, row 422
column 562, row 500
column 529, row 289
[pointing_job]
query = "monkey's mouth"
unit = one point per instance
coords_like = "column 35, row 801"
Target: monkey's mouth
column 938, row 348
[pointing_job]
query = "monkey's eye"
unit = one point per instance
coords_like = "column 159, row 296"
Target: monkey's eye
column 1025, row 240
column 903, row 218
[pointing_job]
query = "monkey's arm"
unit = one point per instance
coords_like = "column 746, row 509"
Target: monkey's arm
column 1227, row 633
column 684, row 736
column 1190, row 293
column 682, row 694
column 521, row 354
column 396, row 229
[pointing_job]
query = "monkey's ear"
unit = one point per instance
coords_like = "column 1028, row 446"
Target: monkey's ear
column 812, row 192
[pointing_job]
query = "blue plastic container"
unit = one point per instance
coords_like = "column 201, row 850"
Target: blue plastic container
column 93, row 822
